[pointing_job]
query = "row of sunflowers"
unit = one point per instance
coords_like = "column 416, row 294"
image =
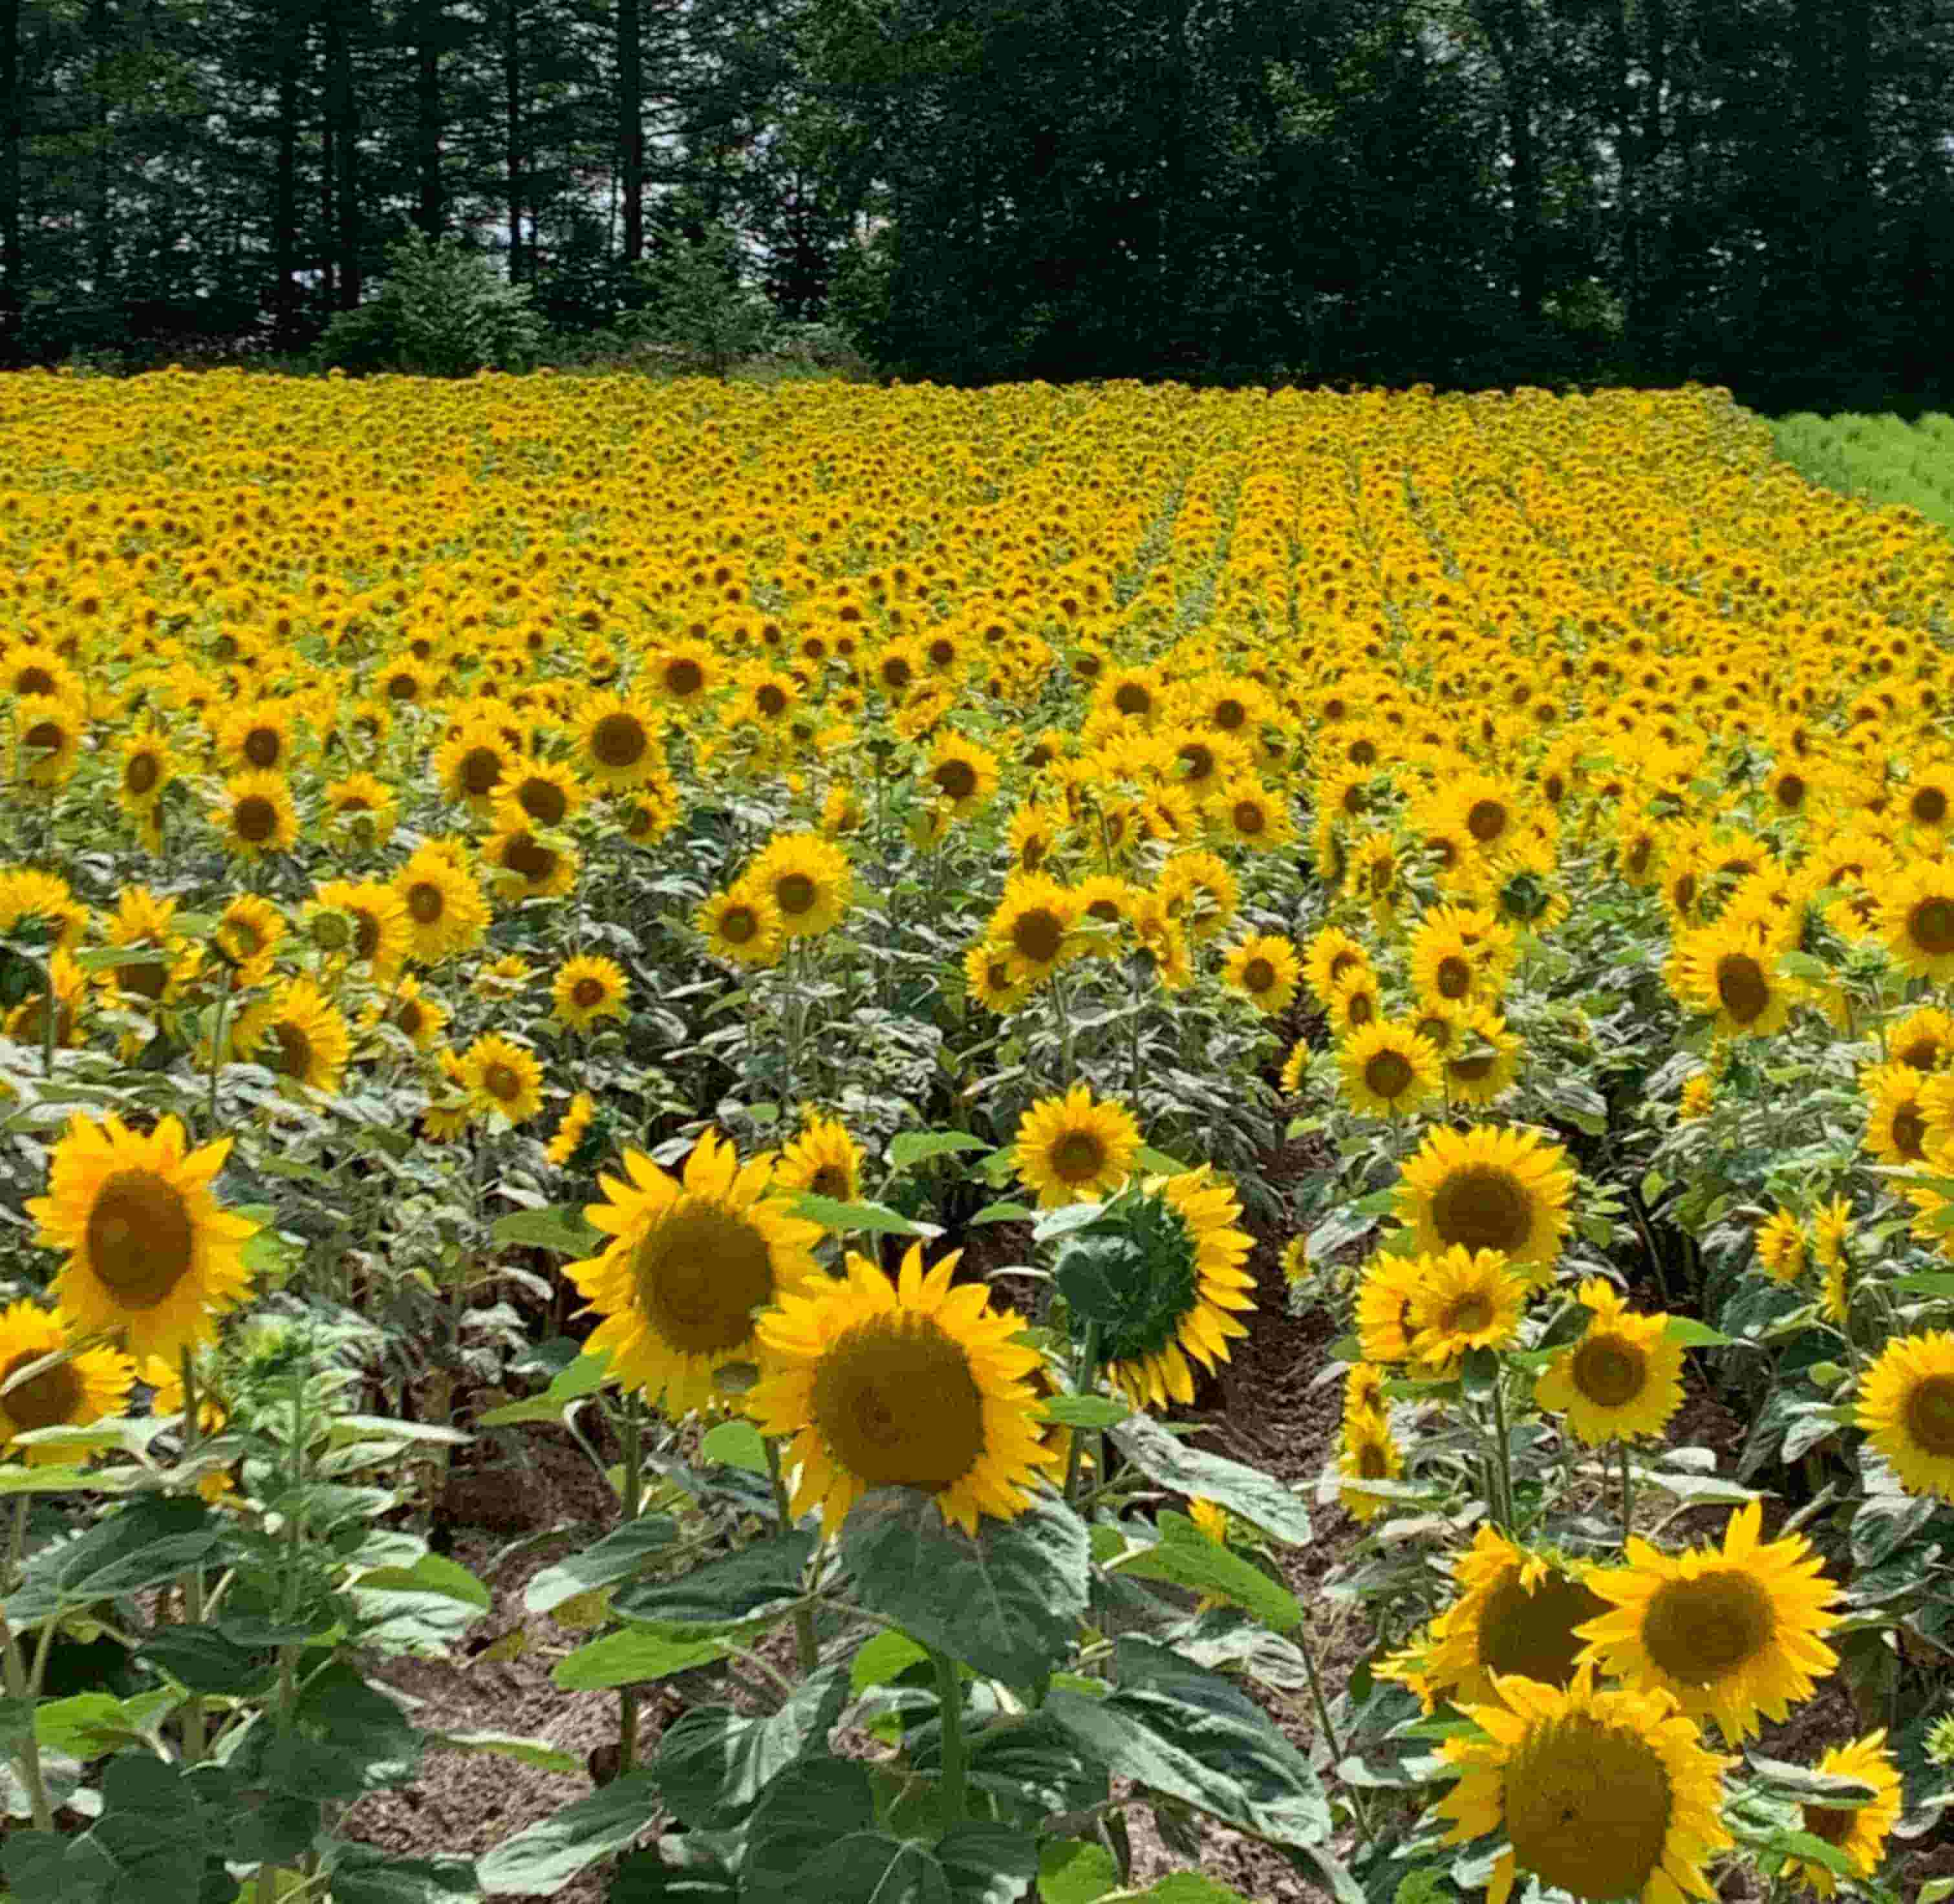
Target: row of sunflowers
column 714, row 839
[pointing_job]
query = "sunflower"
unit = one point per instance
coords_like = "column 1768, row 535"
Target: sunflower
column 1387, row 1069
column 1354, row 1003
column 530, row 864
column 962, row 774
column 502, row 1076
column 450, row 1110
column 1249, row 813
column 1368, row 1453
column 47, row 737
column 1265, row 970
column 586, row 989
column 1923, row 1039
column 1443, row 966
column 1201, row 894
column 1486, row 1063
column 1185, row 1227
column 473, row 763
column 1364, row 1394
column 1906, row 1406
column 1037, row 918
column 33, row 901
column 568, row 1135
column 1385, row 1298
column 297, row 1032
column 1780, row 1246
column 1831, row 1228
column 147, row 768
column 824, row 1160
column 256, row 815
column 363, row 808
column 1463, row 1300
column 1332, row 956
column 1071, row 1150
column 995, row 977
column 1697, row 1099
column 83, row 1388
column 1728, row 969
column 421, row 1015
column 375, row 926
column 808, row 880
column 1896, row 1118
column 742, row 924
column 1607, row 1794
column 617, row 740
column 151, row 1251
column 1917, row 918
column 446, row 912
column 1858, row 1832
column 142, row 922
column 544, row 792
column 689, row 1261
column 26, row 1022
column 1488, row 1189
column 1622, row 1380
column 683, row 673
column 908, row 1383
column 258, row 737
column 249, row 932
column 1732, row 1632
column 1516, row 1613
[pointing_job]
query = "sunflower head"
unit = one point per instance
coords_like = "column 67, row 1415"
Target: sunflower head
column 1906, row 1406
column 81, row 1387
column 1622, row 1379
column 1488, row 1189
column 1072, row 1149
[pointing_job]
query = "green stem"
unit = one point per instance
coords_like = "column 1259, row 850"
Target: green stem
column 1085, row 1382
column 30, row 1748
column 193, row 1581
column 1064, row 1032
column 807, row 1647
column 50, row 1019
column 634, row 1452
column 1133, row 1037
column 956, row 1750
column 1628, row 1494
column 217, row 1052
column 1504, row 1450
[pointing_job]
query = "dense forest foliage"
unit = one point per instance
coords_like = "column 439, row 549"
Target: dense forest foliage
column 1754, row 192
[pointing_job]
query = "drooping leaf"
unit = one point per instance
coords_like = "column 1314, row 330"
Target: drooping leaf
column 548, row 1854
column 617, row 1557
column 713, row 1763
column 1256, row 1497
column 756, row 1581
column 633, row 1657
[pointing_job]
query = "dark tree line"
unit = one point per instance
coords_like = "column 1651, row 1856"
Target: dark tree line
column 1758, row 193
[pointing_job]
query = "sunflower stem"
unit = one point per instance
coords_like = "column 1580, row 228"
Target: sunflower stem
column 1502, row 1447
column 193, row 1581
column 1085, row 1382
column 1064, row 1031
column 217, row 1053
column 1628, row 1493
column 29, row 1747
column 956, row 1752
column 50, row 1018
column 806, row 1646
column 634, row 1455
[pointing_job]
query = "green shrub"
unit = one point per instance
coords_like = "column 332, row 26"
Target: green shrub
column 702, row 304
column 442, row 312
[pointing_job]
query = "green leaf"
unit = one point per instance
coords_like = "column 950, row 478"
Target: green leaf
column 1800, row 1785
column 876, row 1218
column 362, row 1874
column 1007, row 1602
column 1005, row 1212
column 1185, row 1556
column 153, row 1539
column 1075, row 1871
column 1256, row 1497
column 1693, row 1335
column 563, row 1233
column 1929, row 1282
column 1189, row 1887
column 738, row 1444
column 618, row 1555
column 582, row 1377
column 90, row 1724
column 884, row 1657
column 714, row 1763
column 206, row 1661
column 545, row 1757
column 1193, row 1736
column 1086, row 1411
column 911, row 1147
column 547, row 1856
column 1158, row 1162
column 432, row 1573
column 759, row 1581
column 633, row 1657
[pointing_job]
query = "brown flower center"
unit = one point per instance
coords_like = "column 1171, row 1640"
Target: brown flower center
column 1387, row 1074
column 684, row 678
column 1078, row 1157
column 1742, row 988
column 1930, row 1415
column 481, row 768
column 1930, row 926
column 1487, row 820
column 543, row 801
column 1699, row 1631
column 1481, row 1206
column 1039, row 933
column 140, row 1240
column 50, row 1399
column 1929, row 806
column 1609, row 1370
column 619, row 740
column 699, row 1274
column 1587, row 1808
column 868, row 1405
column 140, row 775
column 255, row 819
column 795, row 894
column 426, row 902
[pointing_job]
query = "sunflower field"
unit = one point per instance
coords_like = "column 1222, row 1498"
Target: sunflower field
column 1219, row 1126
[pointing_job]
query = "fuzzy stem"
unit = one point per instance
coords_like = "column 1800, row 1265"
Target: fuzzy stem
column 193, row 1581
column 29, row 1747
column 956, row 1751
column 1085, row 1382
column 1628, row 1494
column 807, row 1647
column 627, row 1696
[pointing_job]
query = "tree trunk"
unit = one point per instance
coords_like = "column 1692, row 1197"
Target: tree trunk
column 430, row 214
column 285, row 204
column 343, row 119
column 631, row 124
column 1508, row 31
column 102, row 241
column 13, row 114
column 512, row 140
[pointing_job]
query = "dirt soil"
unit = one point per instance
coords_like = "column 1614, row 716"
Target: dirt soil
column 1265, row 1407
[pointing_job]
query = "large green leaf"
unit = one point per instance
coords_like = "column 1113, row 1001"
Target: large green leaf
column 547, row 1856
column 562, row 1232
column 616, row 1557
column 757, row 1581
column 634, row 1657
column 1006, row 1602
column 152, row 1540
column 1186, row 1557
column 363, row 1875
column 1191, row 1735
column 713, row 1763
column 1256, row 1497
